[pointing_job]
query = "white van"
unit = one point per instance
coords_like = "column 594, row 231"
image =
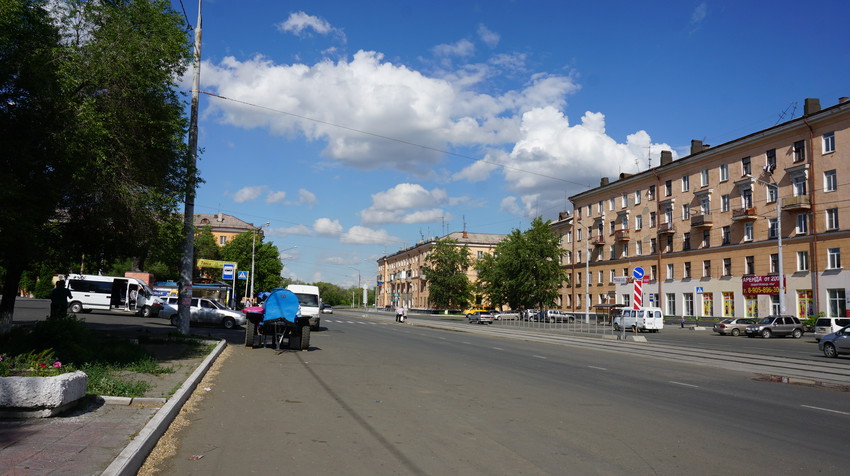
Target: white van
column 644, row 319
column 109, row 293
column 828, row 325
column 311, row 303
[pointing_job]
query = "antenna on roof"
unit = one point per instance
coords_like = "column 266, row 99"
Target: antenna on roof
column 793, row 107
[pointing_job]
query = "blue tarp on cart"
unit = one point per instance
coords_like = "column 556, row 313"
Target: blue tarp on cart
column 281, row 304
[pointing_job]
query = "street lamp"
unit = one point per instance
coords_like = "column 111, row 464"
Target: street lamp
column 253, row 250
column 769, row 171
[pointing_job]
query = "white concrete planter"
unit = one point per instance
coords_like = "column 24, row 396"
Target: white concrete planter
column 39, row 397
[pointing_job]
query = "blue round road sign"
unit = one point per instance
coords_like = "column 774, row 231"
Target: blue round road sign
column 638, row 273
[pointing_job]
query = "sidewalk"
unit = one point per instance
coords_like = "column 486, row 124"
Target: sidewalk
column 110, row 436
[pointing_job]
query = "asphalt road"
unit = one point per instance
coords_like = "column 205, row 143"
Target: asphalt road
column 375, row 397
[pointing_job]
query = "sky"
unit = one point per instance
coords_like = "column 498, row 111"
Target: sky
column 356, row 129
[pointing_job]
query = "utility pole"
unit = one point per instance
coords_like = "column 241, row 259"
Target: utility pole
column 187, row 260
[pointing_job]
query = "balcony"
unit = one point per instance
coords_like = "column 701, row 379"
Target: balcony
column 800, row 202
column 598, row 241
column 621, row 235
column 666, row 229
column 744, row 214
column 701, row 221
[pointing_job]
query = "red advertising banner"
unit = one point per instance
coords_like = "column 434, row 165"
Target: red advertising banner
column 760, row 284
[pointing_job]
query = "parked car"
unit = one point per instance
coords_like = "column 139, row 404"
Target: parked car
column 206, row 311
column 776, row 325
column 474, row 309
column 835, row 343
column 327, row 309
column 828, row 325
column 507, row 316
column 734, row 326
column 481, row 317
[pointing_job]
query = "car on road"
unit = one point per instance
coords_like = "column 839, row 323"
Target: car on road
column 776, row 326
column 733, row 326
column 206, row 311
column 836, row 343
column 327, row 309
column 828, row 325
column 481, row 317
column 475, row 309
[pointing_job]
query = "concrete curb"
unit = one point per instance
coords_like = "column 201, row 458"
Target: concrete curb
column 134, row 455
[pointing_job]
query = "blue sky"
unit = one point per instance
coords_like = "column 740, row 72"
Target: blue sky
column 357, row 128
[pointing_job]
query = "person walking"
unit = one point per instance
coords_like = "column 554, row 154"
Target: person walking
column 683, row 322
column 59, row 296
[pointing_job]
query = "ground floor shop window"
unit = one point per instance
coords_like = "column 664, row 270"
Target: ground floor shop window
column 708, row 304
column 805, row 303
column 774, row 305
column 728, row 304
column 689, row 303
column 837, row 304
column 671, row 304
column 751, row 304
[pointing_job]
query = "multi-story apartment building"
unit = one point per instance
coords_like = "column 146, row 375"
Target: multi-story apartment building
column 401, row 280
column 773, row 202
column 224, row 227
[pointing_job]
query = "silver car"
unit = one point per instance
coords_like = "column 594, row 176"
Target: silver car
column 776, row 326
column 208, row 312
column 836, row 343
column 734, row 325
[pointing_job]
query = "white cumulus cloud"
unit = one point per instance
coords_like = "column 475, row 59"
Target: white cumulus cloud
column 361, row 235
column 246, row 194
column 327, row 227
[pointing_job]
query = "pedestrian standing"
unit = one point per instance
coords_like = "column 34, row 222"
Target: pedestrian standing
column 683, row 322
column 59, row 300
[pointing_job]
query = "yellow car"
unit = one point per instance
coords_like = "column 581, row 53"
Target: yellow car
column 473, row 310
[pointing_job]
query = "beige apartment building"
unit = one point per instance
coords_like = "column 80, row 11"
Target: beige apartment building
column 401, row 280
column 774, row 202
column 224, row 227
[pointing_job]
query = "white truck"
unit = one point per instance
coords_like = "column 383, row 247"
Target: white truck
column 109, row 293
column 644, row 319
column 311, row 303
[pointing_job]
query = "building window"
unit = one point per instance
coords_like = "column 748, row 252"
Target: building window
column 746, row 168
column 578, row 234
column 612, row 252
column 703, row 178
column 724, row 172
column 747, row 198
column 639, row 248
column 650, row 194
column 626, row 300
column 837, row 303
column 774, row 262
column 671, row 304
column 799, row 151
column 599, row 276
column 625, row 250
column 668, row 188
column 653, row 245
column 728, row 304
column 829, row 142
column 724, row 203
column 802, row 224
column 653, row 272
column 688, row 303
column 832, row 219
column 686, row 183
column 748, row 231
column 772, row 228
column 772, row 194
column 774, row 305
column 706, row 269
column 638, row 222
column 668, row 247
column 705, row 205
column 686, row 270
column 726, row 234
column 802, row 261
column 830, row 183
column 652, row 219
column 611, row 204
column 770, row 159
column 222, row 240
column 749, row 265
column 637, row 197
column 670, row 272
column 686, row 212
column 480, row 254
column 611, row 276
column 833, row 258
column 625, row 200
column 706, row 238
column 799, row 186
column 686, row 241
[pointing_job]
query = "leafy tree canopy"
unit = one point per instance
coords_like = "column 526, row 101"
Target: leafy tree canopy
column 445, row 271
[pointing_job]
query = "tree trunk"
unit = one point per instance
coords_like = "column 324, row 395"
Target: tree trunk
column 10, row 293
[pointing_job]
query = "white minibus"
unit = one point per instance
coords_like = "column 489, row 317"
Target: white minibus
column 111, row 293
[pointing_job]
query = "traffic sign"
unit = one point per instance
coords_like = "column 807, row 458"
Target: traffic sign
column 242, row 275
column 645, row 279
column 638, row 272
column 227, row 271
column 699, row 290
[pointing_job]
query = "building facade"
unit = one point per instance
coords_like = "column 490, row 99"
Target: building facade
column 224, row 227
column 401, row 280
column 705, row 226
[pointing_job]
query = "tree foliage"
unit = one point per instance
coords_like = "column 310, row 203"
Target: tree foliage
column 92, row 129
column 445, row 271
column 525, row 272
column 267, row 264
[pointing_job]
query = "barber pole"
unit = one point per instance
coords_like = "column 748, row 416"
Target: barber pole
column 638, row 294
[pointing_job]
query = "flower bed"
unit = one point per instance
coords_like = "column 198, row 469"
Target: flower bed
column 40, row 397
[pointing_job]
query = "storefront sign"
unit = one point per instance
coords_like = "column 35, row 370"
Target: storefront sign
column 760, row 285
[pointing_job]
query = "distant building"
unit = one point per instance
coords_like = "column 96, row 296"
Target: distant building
column 224, row 227
column 401, row 281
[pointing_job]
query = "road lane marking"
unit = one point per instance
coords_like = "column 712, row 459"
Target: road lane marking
column 597, row 368
column 498, row 348
column 684, row 384
column 539, row 357
column 825, row 409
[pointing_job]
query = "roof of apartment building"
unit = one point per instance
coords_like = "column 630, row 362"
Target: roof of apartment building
column 462, row 237
column 812, row 110
column 222, row 222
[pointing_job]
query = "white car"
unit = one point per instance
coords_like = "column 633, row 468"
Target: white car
column 205, row 311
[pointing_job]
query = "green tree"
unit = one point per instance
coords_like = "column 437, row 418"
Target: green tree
column 528, row 267
column 267, row 264
column 445, row 271
column 92, row 131
column 491, row 283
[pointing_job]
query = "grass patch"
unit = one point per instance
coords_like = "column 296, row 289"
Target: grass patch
column 103, row 380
